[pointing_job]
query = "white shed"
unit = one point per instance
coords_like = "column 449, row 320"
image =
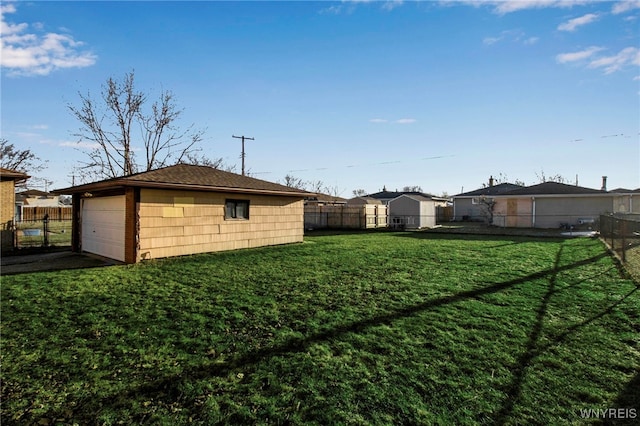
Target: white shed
column 412, row 212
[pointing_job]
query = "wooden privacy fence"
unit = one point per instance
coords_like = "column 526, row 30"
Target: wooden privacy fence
column 38, row 213
column 368, row 216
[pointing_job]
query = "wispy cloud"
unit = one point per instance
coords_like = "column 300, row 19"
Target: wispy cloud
column 398, row 121
column 80, row 145
column 517, row 36
column 35, row 54
column 573, row 24
column 510, row 6
column 613, row 63
column 625, row 6
column 610, row 63
column 581, row 55
column 349, row 6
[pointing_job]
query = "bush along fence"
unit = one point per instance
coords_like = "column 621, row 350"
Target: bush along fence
column 622, row 234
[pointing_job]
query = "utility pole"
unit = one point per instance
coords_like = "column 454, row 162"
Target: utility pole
column 242, row 155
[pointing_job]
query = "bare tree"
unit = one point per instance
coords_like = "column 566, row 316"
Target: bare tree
column 315, row 186
column 359, row 192
column 203, row 160
column 542, row 177
column 488, row 205
column 20, row 160
column 334, row 191
column 294, row 182
column 111, row 125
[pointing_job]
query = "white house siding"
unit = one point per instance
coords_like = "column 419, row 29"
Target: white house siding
column 552, row 212
column 174, row 223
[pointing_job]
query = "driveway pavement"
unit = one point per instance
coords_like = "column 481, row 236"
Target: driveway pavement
column 51, row 261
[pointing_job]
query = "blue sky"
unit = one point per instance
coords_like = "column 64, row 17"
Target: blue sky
column 358, row 95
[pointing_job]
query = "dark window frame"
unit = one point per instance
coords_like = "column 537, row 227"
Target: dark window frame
column 235, row 209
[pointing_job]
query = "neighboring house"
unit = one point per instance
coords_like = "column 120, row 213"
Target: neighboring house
column 473, row 205
column 181, row 210
column 545, row 205
column 554, row 205
column 324, row 200
column 359, row 201
column 409, row 211
column 8, row 180
column 385, row 196
column 34, row 205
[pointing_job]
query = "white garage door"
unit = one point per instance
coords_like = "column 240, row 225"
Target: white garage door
column 103, row 226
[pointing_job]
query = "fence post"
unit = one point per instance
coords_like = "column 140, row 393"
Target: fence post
column 623, row 231
column 45, row 228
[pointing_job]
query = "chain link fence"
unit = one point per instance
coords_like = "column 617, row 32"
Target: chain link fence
column 42, row 233
column 622, row 234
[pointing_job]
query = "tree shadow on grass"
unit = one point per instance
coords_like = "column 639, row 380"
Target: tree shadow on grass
column 534, row 349
column 169, row 386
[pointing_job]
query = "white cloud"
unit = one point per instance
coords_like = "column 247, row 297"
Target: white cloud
column 399, row 121
column 625, row 6
column 23, row 53
column 392, row 4
column 611, row 64
column 563, row 58
column 517, row 36
column 636, row 78
column 572, row 24
column 509, row 6
column 80, row 145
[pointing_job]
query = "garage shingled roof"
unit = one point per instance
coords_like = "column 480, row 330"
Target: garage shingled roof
column 188, row 176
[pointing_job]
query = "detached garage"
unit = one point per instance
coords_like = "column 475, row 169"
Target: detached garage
column 180, row 210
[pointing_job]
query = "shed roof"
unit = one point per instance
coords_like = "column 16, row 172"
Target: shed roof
column 190, row 177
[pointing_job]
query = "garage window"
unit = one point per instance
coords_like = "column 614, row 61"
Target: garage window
column 236, row 209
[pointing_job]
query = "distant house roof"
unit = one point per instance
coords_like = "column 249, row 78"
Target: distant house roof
column 553, row 188
column 416, row 197
column 33, row 193
column 8, row 174
column 625, row 191
column 189, row 177
column 390, row 195
column 500, row 188
column 363, row 200
column 325, row 198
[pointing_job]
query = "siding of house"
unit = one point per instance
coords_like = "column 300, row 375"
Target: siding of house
column 513, row 212
column 174, row 223
column 551, row 212
column 464, row 209
column 7, row 210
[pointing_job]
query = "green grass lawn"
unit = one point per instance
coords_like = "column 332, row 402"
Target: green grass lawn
column 365, row 328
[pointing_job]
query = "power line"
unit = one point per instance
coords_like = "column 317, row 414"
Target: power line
column 243, row 154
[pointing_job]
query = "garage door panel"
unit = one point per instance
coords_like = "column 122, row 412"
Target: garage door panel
column 103, row 226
